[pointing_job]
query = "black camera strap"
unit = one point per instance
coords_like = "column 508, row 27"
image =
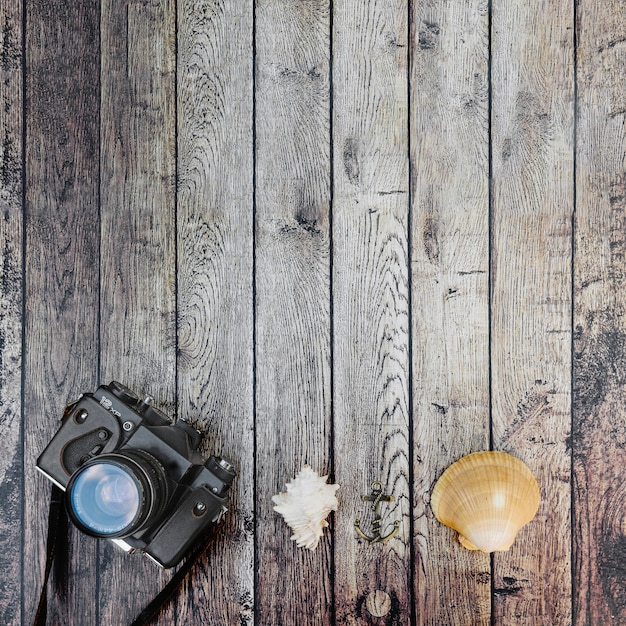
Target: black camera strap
column 57, row 510
column 168, row 591
column 56, row 518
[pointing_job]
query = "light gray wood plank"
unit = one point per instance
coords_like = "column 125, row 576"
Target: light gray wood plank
column 532, row 121
column 450, row 291
column 371, row 306
column 138, row 307
column 61, row 295
column 599, row 440
column 293, row 382
column 11, row 300
column 215, row 282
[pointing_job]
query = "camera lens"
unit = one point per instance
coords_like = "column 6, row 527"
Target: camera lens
column 106, row 498
column 115, row 495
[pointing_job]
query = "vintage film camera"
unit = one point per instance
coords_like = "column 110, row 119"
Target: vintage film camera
column 133, row 477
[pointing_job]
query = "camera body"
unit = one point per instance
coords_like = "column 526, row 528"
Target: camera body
column 132, row 476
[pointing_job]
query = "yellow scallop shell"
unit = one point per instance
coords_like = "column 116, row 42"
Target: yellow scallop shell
column 486, row 497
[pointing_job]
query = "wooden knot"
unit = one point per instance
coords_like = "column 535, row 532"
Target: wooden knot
column 378, row 603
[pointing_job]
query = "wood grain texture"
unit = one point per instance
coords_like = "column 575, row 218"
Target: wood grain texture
column 276, row 216
column 293, row 398
column 138, row 305
column 371, row 304
column 11, row 301
column 62, row 245
column 450, row 291
column 215, row 283
column 599, row 438
column 532, row 145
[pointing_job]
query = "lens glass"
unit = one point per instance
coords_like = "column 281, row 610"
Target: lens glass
column 105, row 498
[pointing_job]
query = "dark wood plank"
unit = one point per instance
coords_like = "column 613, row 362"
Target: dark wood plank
column 599, row 437
column 450, row 291
column 532, row 121
column 62, row 231
column 138, row 306
column 11, row 300
column 292, row 297
column 371, row 306
column 215, row 283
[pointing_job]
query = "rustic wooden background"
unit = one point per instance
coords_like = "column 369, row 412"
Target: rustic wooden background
column 371, row 236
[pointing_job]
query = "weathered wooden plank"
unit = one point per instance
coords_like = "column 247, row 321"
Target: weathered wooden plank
column 215, row 281
column 450, row 291
column 138, row 303
column 62, row 243
column 371, row 306
column 11, row 301
column 532, row 121
column 599, row 437
column 293, row 382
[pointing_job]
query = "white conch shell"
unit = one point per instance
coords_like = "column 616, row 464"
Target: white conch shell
column 305, row 506
column 486, row 497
